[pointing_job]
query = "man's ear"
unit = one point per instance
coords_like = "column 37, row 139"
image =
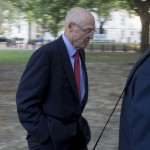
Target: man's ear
column 71, row 26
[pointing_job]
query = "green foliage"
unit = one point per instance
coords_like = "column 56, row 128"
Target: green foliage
column 8, row 15
column 7, row 11
column 140, row 7
column 26, row 6
column 54, row 13
column 103, row 7
column 50, row 12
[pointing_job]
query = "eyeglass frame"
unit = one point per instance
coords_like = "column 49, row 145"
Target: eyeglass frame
column 86, row 30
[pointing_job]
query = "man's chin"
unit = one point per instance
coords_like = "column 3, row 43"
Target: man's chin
column 85, row 45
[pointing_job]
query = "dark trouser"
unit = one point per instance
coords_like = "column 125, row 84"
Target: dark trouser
column 83, row 148
column 34, row 145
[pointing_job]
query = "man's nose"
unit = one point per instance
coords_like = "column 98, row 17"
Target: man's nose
column 91, row 36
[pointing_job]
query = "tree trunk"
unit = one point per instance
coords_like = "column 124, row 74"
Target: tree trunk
column 145, row 35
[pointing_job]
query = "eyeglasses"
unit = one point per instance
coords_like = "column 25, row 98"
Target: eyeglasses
column 86, row 31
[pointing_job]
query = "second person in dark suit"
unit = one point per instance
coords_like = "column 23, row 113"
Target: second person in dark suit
column 135, row 113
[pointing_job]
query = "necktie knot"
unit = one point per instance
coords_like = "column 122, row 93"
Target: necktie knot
column 76, row 54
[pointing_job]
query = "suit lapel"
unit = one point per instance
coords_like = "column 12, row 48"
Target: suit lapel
column 68, row 67
column 136, row 66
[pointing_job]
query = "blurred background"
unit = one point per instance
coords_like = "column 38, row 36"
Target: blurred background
column 122, row 35
column 25, row 22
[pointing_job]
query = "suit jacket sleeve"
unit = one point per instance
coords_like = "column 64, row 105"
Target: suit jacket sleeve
column 31, row 90
column 138, row 108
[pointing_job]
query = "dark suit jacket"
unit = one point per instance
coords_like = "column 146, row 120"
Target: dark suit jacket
column 135, row 112
column 47, row 98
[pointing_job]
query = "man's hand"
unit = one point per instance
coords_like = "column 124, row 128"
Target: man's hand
column 46, row 140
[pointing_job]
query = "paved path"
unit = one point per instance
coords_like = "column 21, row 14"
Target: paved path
column 105, row 85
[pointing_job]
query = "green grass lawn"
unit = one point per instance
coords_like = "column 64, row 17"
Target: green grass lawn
column 120, row 58
column 22, row 56
column 14, row 56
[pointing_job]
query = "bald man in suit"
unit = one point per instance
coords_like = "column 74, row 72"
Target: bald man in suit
column 50, row 99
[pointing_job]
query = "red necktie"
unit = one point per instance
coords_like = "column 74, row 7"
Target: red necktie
column 77, row 72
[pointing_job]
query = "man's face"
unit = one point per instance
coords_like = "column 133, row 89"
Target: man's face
column 82, row 33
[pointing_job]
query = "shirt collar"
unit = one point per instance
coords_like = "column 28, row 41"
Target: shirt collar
column 71, row 50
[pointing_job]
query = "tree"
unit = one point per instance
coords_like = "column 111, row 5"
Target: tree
column 102, row 8
column 142, row 8
column 27, row 7
column 7, row 12
column 53, row 13
column 50, row 12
